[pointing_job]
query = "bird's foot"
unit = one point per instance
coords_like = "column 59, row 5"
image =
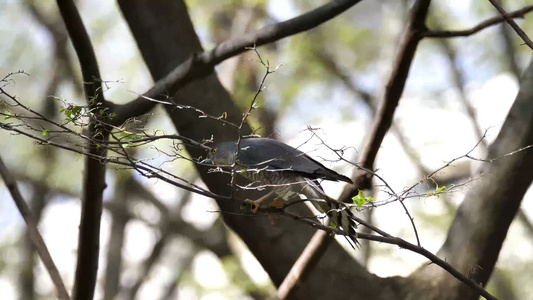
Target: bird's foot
column 278, row 203
column 253, row 205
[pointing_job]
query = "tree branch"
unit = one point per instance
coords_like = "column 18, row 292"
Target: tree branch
column 385, row 114
column 33, row 232
column 391, row 98
column 202, row 64
column 84, row 49
column 309, row 257
column 388, row 239
column 485, row 24
column 483, row 218
column 94, row 174
column 119, row 221
column 512, row 23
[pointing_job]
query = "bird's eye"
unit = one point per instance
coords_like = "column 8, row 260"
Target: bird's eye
column 214, row 150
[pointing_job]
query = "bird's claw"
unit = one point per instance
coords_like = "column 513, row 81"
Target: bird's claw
column 253, row 204
column 278, row 203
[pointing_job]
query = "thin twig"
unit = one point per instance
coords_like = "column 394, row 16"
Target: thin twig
column 512, row 23
column 388, row 239
column 143, row 169
column 400, row 197
column 485, row 24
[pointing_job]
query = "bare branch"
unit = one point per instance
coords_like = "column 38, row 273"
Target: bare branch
column 202, row 64
column 494, row 205
column 485, row 24
column 311, row 254
column 388, row 239
column 84, row 49
column 94, row 175
column 33, row 232
column 512, row 23
column 119, row 221
column 391, row 98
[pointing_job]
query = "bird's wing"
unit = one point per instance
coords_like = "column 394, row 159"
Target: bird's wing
column 272, row 154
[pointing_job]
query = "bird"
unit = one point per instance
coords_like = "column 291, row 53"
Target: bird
column 288, row 171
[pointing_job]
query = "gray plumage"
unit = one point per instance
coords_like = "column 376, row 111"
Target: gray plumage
column 287, row 170
column 261, row 153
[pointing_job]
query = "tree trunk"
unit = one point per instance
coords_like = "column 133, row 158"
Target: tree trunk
column 480, row 226
column 166, row 38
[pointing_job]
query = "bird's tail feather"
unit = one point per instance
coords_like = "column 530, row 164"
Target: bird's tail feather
column 340, row 214
column 343, row 218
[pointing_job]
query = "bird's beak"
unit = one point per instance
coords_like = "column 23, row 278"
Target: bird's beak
column 207, row 161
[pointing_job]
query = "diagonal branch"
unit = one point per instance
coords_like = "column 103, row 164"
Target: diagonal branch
column 387, row 239
column 483, row 218
column 33, row 232
column 393, row 92
column 307, row 260
column 382, row 124
column 202, row 64
column 520, row 13
column 512, row 23
column 391, row 98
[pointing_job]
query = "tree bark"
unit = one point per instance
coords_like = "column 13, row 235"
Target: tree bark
column 166, row 37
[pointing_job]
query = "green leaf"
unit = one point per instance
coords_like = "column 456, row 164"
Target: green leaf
column 76, row 110
column 130, row 136
column 72, row 112
column 7, row 112
column 45, row 132
column 437, row 192
column 361, row 199
column 333, row 224
column 60, row 99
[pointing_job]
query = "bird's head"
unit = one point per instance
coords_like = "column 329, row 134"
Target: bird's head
column 222, row 154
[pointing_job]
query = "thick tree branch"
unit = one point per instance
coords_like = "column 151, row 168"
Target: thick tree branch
column 94, row 174
column 391, row 98
column 33, row 232
column 202, row 64
column 84, row 49
column 309, row 257
column 483, row 218
column 393, row 92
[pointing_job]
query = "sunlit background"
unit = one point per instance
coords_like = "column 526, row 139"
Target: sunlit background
column 328, row 78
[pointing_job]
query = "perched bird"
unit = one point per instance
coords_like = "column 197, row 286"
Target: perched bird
column 287, row 171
